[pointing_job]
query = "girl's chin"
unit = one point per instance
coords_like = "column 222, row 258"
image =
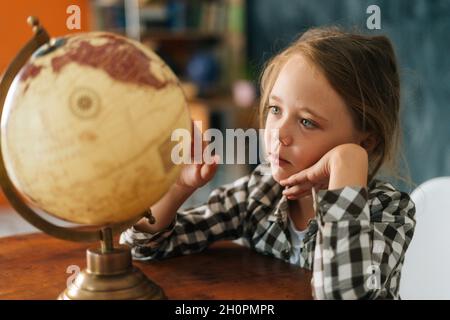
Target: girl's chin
column 279, row 174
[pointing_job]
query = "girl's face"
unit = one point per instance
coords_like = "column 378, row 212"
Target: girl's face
column 309, row 117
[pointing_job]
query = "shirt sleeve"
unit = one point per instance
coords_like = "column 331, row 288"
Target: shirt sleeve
column 193, row 229
column 357, row 252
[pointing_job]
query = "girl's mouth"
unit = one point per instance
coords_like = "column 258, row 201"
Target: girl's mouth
column 276, row 160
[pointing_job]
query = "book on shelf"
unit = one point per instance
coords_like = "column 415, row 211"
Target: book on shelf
column 177, row 15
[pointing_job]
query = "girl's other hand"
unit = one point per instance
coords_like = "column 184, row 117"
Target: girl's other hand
column 194, row 176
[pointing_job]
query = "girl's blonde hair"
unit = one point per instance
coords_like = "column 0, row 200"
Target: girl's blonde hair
column 363, row 71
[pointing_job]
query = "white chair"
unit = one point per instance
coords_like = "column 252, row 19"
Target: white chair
column 426, row 272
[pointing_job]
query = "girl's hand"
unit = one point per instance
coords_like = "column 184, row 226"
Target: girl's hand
column 194, row 176
column 345, row 164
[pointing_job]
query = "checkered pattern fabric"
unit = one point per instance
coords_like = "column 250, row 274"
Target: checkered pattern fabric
column 355, row 246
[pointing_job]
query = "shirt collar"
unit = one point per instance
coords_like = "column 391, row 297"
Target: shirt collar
column 280, row 213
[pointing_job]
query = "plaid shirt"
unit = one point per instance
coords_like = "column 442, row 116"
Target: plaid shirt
column 355, row 246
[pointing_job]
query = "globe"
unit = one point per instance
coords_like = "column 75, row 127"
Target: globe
column 86, row 128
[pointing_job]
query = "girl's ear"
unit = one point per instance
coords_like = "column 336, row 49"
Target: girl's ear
column 369, row 142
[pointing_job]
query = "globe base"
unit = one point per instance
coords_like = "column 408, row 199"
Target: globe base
column 111, row 276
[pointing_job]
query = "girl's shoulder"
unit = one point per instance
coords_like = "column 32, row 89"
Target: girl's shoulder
column 384, row 197
column 383, row 190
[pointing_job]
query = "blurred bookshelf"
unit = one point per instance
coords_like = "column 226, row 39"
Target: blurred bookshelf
column 204, row 43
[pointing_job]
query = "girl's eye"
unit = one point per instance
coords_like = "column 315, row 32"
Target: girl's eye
column 307, row 123
column 274, row 109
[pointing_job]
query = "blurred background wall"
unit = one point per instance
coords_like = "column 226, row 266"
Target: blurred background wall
column 15, row 31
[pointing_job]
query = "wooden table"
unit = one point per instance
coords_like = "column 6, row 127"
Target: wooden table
column 34, row 267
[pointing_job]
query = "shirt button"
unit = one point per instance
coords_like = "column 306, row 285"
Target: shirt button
column 286, row 254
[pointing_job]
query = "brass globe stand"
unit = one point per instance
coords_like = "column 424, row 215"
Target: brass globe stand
column 109, row 273
column 111, row 276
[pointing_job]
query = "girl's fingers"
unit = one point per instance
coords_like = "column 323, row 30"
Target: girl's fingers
column 207, row 171
column 299, row 195
column 211, row 159
column 297, row 190
column 197, row 173
column 292, row 190
column 312, row 174
column 322, row 186
column 195, row 133
column 297, row 178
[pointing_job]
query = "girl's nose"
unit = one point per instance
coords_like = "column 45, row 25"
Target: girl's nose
column 284, row 136
column 285, row 140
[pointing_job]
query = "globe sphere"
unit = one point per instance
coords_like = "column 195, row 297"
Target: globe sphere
column 87, row 125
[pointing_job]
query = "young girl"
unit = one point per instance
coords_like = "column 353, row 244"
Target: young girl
column 332, row 97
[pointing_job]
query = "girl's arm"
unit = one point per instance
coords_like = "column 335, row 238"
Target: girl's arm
column 165, row 209
column 193, row 229
column 359, row 254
